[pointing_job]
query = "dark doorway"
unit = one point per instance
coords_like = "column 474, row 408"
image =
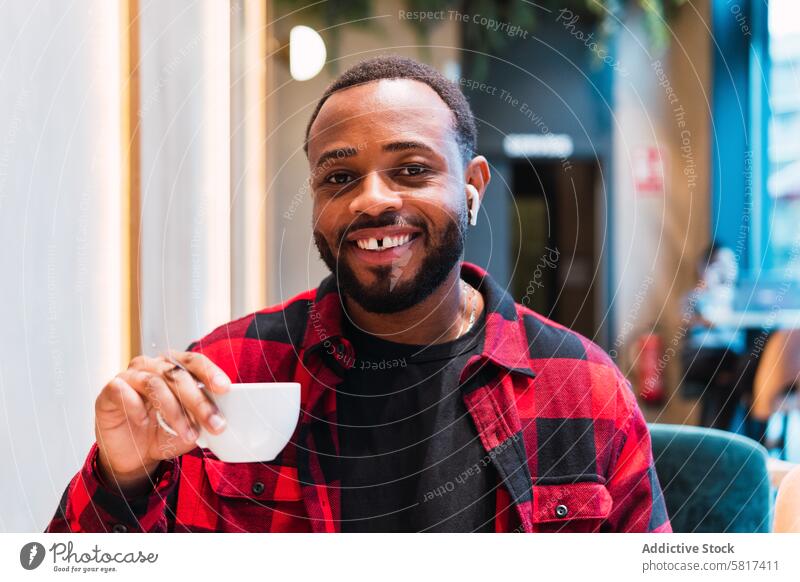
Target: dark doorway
column 554, row 226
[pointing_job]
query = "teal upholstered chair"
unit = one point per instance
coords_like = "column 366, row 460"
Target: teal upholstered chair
column 713, row 481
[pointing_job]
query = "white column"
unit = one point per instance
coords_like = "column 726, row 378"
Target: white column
column 250, row 205
column 185, row 163
column 60, row 276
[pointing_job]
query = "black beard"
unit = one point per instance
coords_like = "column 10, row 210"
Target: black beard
column 385, row 296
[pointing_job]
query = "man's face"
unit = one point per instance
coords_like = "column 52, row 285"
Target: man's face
column 387, row 177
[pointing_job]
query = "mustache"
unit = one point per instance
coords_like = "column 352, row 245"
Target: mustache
column 382, row 220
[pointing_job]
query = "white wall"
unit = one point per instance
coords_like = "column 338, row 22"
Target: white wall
column 59, row 232
column 185, row 171
column 61, row 148
column 251, row 73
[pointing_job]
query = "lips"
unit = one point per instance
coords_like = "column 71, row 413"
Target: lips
column 384, row 245
column 387, row 242
column 382, row 238
column 381, row 232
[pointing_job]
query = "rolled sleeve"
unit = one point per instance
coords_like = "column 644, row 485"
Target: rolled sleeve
column 91, row 505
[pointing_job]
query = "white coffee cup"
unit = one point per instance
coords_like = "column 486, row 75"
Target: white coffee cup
column 261, row 418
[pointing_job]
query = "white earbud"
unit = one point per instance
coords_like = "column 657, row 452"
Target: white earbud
column 474, row 204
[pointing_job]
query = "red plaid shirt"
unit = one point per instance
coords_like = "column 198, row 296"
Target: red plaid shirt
column 556, row 417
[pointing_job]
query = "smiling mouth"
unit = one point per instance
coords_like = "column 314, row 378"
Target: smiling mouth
column 385, row 243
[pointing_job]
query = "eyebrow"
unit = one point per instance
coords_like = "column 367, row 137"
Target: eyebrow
column 336, row 154
column 349, row 152
column 399, row 146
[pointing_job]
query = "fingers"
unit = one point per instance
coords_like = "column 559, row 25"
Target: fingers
column 194, row 400
column 154, row 390
column 204, row 370
column 121, row 402
column 183, row 385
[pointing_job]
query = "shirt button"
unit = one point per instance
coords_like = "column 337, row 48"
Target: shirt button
column 119, row 528
column 562, row 511
column 258, row 488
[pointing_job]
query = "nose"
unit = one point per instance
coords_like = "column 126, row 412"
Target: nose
column 375, row 197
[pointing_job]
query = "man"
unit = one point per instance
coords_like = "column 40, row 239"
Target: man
column 430, row 400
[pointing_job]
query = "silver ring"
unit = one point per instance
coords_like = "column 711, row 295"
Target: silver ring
column 163, row 424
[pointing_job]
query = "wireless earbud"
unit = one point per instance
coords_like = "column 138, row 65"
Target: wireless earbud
column 474, row 204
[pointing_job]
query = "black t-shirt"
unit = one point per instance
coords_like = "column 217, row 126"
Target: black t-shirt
column 411, row 459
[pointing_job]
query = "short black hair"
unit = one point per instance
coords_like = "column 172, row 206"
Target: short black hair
column 397, row 67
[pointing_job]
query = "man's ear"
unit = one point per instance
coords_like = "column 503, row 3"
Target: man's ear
column 476, row 178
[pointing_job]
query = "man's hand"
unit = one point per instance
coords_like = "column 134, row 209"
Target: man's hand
column 129, row 437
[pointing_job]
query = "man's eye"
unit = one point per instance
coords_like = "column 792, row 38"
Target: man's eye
column 339, row 178
column 413, row 170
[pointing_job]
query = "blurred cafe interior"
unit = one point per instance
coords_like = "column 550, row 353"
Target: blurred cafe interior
column 645, row 192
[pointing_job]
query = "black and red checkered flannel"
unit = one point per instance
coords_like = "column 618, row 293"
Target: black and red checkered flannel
column 555, row 415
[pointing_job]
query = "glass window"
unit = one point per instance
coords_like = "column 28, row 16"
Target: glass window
column 781, row 239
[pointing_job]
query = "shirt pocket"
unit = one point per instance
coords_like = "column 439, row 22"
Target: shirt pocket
column 256, row 497
column 570, row 507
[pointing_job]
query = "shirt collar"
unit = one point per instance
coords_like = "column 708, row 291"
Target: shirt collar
column 505, row 341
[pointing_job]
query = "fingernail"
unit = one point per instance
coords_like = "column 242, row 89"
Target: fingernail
column 221, row 380
column 216, row 422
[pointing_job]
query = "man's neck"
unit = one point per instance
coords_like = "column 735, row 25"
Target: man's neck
column 439, row 318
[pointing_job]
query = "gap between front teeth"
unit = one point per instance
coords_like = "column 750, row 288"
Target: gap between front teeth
column 371, row 244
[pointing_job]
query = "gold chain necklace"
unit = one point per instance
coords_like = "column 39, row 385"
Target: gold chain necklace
column 471, row 300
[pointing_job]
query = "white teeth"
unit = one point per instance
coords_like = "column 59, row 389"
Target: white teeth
column 371, row 244
column 368, row 244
